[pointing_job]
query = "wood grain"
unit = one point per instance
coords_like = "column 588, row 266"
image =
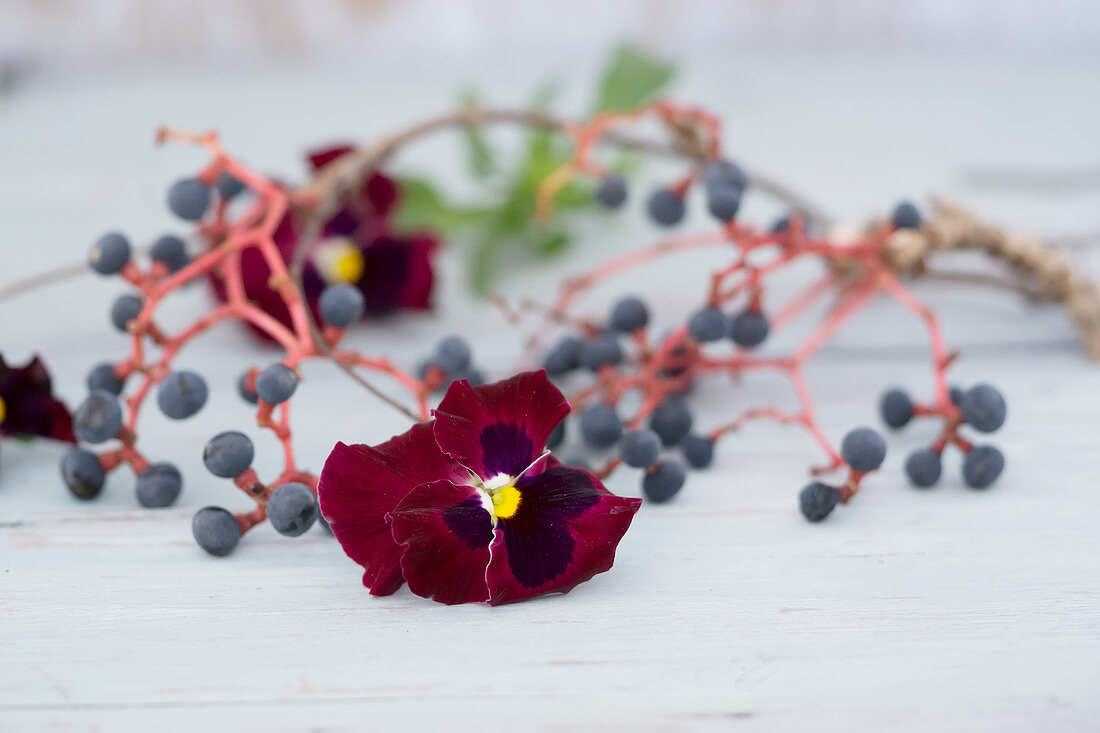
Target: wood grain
column 939, row 610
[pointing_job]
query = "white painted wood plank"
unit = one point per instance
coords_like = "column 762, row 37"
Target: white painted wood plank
column 944, row 610
column 723, row 605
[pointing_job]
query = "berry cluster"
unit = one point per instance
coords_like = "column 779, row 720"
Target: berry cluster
column 236, row 211
column 215, row 202
column 720, row 337
column 981, row 407
column 665, row 422
column 451, row 360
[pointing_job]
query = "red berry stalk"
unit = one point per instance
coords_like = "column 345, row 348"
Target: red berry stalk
column 657, row 371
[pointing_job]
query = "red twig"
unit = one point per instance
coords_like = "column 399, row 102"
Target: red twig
column 229, row 239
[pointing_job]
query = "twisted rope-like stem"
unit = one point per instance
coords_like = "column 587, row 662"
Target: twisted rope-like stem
column 1050, row 273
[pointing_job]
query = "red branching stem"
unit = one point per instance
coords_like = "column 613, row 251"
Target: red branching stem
column 656, row 369
column 855, row 272
column 229, row 238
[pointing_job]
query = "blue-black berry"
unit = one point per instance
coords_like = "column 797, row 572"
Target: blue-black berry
column 817, row 500
column 896, row 408
column 612, row 191
column 181, row 394
column 247, row 393
column 725, row 174
column 578, row 462
column 452, row 354
column 99, row 418
column 216, row 530
column 228, row 454
column 671, row 420
column 125, row 309
column 171, row 251
column 228, row 186
column 276, row 384
column 563, row 357
column 749, row 328
column 956, row 395
column 600, row 426
column 698, row 450
column 110, row 253
column 906, row 216
column 923, row 467
column 983, row 408
column 629, row 314
column 292, row 509
column 982, row 465
column 863, row 449
column 83, row 473
column 665, row 207
column 639, row 448
column 425, row 368
column 723, row 202
column 600, row 351
column 188, row 198
column 663, row 481
column 707, row 324
column 471, row 375
column 557, row 435
column 341, row 305
column 159, row 485
column 103, row 377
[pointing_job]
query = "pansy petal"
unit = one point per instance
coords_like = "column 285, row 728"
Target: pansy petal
column 564, row 531
column 379, row 192
column 321, row 157
column 419, row 275
column 382, row 193
column 38, row 415
column 397, row 272
column 501, row 427
column 360, row 484
column 29, row 407
column 344, row 223
column 445, row 531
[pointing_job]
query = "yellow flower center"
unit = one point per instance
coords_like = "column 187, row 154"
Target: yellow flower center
column 505, row 501
column 341, row 261
column 3, row 410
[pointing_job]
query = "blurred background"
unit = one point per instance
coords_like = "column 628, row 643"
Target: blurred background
column 893, row 97
column 71, row 34
column 853, row 103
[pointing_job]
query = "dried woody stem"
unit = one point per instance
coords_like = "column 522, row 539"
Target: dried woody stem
column 1053, row 276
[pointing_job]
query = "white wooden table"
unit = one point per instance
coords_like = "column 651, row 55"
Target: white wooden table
column 939, row 610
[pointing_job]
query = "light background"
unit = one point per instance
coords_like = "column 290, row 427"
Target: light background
column 948, row 610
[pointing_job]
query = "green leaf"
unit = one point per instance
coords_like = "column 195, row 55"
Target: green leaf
column 551, row 243
column 485, row 262
column 633, row 78
column 502, row 232
column 422, row 207
column 478, row 153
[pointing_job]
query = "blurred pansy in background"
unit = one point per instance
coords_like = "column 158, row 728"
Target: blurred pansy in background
column 28, row 408
column 360, row 245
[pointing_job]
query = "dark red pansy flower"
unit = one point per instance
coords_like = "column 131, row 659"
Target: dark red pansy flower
column 471, row 506
column 27, row 405
column 393, row 270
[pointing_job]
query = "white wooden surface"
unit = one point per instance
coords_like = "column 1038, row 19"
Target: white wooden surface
column 938, row 610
